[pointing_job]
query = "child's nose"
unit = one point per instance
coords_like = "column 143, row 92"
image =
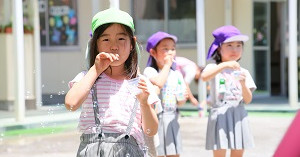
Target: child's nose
column 114, row 48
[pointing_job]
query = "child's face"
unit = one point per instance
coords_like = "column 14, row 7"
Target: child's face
column 231, row 51
column 166, row 47
column 115, row 40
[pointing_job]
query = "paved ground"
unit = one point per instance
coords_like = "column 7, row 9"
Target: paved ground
column 267, row 130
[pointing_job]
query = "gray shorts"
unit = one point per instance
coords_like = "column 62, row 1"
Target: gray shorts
column 109, row 145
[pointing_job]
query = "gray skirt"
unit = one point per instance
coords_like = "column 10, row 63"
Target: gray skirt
column 169, row 135
column 109, row 145
column 228, row 128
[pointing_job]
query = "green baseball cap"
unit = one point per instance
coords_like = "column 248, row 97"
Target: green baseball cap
column 112, row 15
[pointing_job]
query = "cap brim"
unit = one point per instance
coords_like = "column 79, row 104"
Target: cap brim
column 172, row 37
column 237, row 38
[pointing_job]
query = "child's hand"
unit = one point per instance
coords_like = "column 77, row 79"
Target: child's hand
column 168, row 60
column 194, row 101
column 232, row 65
column 104, row 59
column 242, row 77
column 143, row 96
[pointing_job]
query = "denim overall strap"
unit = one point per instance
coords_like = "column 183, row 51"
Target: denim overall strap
column 132, row 116
column 130, row 123
column 96, row 112
column 96, row 108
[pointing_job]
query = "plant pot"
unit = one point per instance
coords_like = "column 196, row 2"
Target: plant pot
column 8, row 30
column 28, row 31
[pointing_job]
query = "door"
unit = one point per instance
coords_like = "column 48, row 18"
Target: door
column 261, row 46
column 268, row 45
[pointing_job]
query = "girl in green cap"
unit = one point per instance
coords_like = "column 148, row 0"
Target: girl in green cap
column 117, row 103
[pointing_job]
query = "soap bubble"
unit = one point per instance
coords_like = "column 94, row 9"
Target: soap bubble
column 148, row 131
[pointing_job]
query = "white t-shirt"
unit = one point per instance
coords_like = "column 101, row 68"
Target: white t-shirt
column 172, row 91
column 233, row 92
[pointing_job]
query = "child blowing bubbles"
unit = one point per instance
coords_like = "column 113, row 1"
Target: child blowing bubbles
column 114, row 124
column 161, row 72
column 231, row 88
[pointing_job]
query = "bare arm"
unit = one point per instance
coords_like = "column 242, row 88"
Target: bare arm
column 79, row 92
column 180, row 103
column 246, row 92
column 207, row 75
column 149, row 118
column 191, row 97
column 162, row 76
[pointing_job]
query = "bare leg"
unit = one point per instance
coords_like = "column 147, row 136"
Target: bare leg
column 219, row 153
column 236, row 153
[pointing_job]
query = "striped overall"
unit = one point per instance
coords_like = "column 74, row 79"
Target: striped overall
column 109, row 144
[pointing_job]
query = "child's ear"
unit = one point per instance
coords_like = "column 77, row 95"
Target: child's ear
column 152, row 52
column 134, row 39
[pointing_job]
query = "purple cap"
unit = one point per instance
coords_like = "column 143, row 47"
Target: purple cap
column 225, row 34
column 91, row 33
column 154, row 39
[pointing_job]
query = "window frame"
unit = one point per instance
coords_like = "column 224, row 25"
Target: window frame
column 183, row 45
column 48, row 46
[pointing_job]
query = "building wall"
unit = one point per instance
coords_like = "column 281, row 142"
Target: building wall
column 243, row 19
column 7, row 69
column 61, row 66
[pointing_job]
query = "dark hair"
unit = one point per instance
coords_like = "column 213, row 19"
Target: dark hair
column 153, row 62
column 132, row 60
column 217, row 56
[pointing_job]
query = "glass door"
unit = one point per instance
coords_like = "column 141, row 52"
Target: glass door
column 261, row 46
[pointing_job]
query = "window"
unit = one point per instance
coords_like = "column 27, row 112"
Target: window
column 260, row 24
column 5, row 16
column 177, row 17
column 6, row 19
column 4, row 13
column 58, row 23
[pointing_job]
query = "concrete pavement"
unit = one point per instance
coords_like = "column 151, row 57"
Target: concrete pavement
column 267, row 131
column 56, row 114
